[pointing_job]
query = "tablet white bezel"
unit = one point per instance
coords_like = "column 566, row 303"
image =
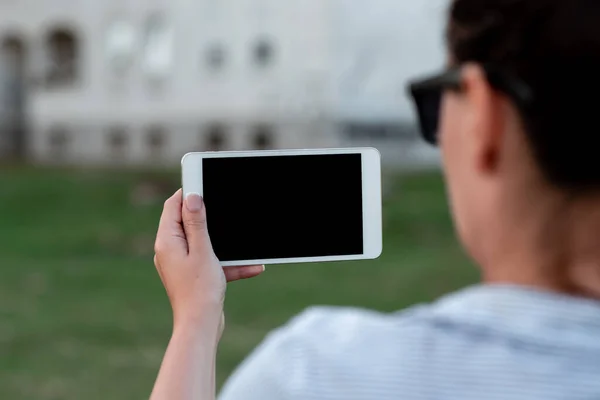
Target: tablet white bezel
column 371, row 195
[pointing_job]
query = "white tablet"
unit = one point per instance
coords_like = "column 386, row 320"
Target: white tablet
column 289, row 206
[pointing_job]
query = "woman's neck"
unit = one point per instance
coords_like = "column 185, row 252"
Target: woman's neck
column 557, row 248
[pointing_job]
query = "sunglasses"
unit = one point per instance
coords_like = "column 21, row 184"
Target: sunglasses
column 427, row 95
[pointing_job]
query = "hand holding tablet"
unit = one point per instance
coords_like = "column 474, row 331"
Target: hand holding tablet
column 292, row 206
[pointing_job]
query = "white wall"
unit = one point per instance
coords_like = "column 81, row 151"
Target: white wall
column 379, row 46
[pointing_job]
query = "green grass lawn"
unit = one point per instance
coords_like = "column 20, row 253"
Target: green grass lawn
column 82, row 311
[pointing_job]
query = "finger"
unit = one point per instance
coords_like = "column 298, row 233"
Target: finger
column 194, row 224
column 246, row 272
column 170, row 231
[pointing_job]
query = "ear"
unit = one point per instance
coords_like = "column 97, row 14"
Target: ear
column 486, row 123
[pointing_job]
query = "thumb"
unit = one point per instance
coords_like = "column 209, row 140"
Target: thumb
column 194, row 223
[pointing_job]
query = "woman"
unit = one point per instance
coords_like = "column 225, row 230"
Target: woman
column 519, row 140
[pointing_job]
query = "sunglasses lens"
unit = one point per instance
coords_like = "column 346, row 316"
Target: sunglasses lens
column 428, row 104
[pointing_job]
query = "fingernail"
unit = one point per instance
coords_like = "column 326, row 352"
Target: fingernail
column 193, row 202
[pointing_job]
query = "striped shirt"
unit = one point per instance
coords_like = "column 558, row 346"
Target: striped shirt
column 485, row 342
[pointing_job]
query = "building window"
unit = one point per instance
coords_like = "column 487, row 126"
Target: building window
column 262, row 138
column 14, row 52
column 379, row 131
column 117, row 142
column 216, row 137
column 215, row 57
column 156, row 141
column 63, row 51
column 58, row 140
column 120, row 45
column 263, row 53
column 157, row 47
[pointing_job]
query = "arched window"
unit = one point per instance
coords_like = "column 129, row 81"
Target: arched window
column 120, row 45
column 157, row 47
column 14, row 51
column 62, row 48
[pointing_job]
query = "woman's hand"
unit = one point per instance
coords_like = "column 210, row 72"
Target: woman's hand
column 195, row 283
column 191, row 273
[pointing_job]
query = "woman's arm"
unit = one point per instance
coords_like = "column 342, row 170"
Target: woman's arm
column 195, row 283
column 188, row 368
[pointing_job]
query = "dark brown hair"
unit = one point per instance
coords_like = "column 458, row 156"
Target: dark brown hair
column 554, row 47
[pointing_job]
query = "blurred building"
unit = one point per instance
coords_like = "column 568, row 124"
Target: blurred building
column 144, row 81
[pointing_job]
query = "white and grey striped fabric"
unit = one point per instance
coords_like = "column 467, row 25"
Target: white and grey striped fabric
column 486, row 342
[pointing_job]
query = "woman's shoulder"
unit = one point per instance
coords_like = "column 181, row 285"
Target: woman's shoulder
column 332, row 347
